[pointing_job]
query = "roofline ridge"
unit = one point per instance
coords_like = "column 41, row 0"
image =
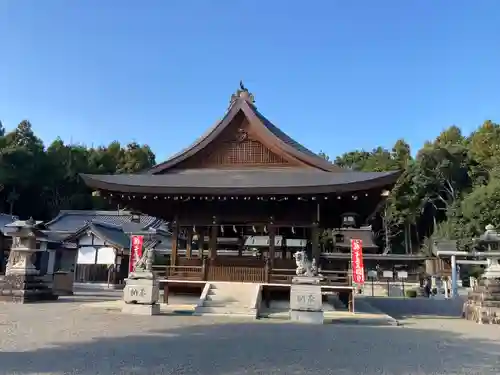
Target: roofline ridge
column 97, row 212
column 63, row 213
column 324, row 164
column 160, row 167
column 105, row 224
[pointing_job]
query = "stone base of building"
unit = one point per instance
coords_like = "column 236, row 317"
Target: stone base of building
column 483, row 303
column 139, row 309
column 25, row 289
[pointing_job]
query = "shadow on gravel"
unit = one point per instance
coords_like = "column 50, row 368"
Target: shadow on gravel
column 400, row 308
column 264, row 348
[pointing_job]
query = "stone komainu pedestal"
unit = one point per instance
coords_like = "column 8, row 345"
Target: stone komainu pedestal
column 483, row 303
column 141, row 296
column 306, row 302
column 22, row 283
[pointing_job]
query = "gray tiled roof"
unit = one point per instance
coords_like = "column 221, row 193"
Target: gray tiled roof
column 73, row 220
column 117, row 236
column 365, row 235
column 111, row 233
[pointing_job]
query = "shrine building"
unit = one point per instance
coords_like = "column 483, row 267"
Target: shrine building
column 247, row 196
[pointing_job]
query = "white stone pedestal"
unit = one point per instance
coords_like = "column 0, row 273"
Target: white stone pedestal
column 306, row 303
column 141, row 291
column 141, row 297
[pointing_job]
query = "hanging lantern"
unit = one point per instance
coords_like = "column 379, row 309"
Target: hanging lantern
column 222, row 229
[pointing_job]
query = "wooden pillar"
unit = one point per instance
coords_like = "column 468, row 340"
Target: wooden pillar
column 175, row 235
column 316, row 250
column 204, row 269
column 189, row 241
column 165, row 292
column 201, row 242
column 214, row 231
column 272, row 242
column 241, row 245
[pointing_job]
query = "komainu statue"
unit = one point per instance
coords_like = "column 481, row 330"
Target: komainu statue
column 305, row 267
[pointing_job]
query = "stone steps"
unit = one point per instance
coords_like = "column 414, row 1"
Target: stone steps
column 230, row 299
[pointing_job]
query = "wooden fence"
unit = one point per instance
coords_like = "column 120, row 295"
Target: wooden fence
column 285, row 276
column 215, row 271
column 235, row 273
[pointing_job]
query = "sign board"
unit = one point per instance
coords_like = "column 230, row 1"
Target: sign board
column 136, row 243
column 106, row 255
column 388, row 274
column 402, row 275
column 358, row 271
column 86, row 255
column 372, row 274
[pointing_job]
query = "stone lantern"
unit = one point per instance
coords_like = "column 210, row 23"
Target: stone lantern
column 22, row 283
column 483, row 302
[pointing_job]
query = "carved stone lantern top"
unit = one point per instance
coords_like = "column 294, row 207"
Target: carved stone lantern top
column 24, row 234
column 489, row 240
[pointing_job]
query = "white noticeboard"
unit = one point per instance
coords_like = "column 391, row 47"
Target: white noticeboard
column 388, row 274
column 372, row 274
column 86, row 255
column 402, row 275
column 106, row 255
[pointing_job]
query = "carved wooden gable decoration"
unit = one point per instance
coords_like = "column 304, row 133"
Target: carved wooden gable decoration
column 237, row 146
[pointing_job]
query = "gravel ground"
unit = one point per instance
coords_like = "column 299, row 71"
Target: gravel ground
column 64, row 338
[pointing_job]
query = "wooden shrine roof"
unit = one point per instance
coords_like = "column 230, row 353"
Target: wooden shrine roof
column 239, row 182
column 295, row 169
column 267, row 130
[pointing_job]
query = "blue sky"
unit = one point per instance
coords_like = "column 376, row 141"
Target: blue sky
column 336, row 75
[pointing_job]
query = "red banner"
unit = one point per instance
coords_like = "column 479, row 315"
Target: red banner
column 358, row 270
column 135, row 251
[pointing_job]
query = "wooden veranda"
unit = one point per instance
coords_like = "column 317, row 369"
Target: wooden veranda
column 237, row 269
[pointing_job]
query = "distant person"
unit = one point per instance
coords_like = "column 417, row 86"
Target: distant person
column 427, row 288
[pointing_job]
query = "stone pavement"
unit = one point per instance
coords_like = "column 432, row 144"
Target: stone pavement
column 66, row 338
column 365, row 314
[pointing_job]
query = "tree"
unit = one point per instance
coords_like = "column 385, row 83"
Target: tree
column 324, row 156
column 450, row 189
column 39, row 182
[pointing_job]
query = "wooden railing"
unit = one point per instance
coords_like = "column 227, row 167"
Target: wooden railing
column 285, row 276
column 212, row 271
column 235, row 273
column 194, row 273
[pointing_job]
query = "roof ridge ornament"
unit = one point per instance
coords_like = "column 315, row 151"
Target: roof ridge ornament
column 242, row 93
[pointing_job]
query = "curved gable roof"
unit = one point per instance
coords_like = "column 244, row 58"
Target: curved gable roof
column 271, row 135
